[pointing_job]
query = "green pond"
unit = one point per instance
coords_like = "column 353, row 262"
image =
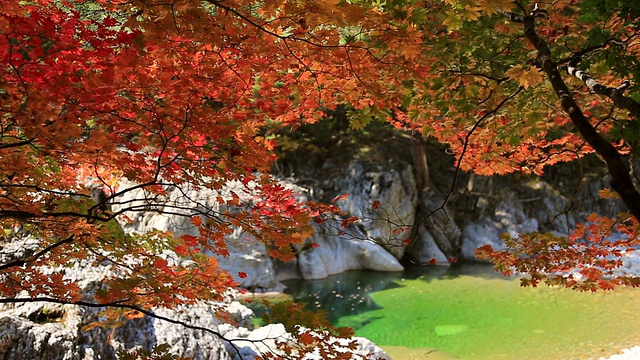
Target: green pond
column 468, row 311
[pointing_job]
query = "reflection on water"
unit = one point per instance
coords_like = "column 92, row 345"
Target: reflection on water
column 343, row 294
column 348, row 293
column 472, row 312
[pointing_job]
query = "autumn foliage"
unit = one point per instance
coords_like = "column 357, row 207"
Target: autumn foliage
column 96, row 93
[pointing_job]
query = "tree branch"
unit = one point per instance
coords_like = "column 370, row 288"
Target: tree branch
column 620, row 178
column 22, row 261
column 614, row 93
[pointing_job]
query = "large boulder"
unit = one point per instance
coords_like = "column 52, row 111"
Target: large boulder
column 334, row 249
column 394, row 194
column 436, row 235
column 173, row 212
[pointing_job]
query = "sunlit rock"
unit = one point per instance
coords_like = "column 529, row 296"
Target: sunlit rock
column 333, row 249
column 394, row 194
column 173, row 211
column 266, row 339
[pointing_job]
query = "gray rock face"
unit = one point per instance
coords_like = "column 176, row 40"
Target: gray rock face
column 508, row 217
column 173, row 212
column 25, row 336
column 533, row 206
column 436, row 235
column 333, row 249
column 337, row 250
column 43, row 330
column 395, row 192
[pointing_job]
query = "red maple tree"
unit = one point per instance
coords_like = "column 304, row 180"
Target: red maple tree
column 173, row 93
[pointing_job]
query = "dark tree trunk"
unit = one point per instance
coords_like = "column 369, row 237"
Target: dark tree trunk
column 420, row 165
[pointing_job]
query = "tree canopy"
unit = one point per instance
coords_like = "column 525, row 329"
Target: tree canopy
column 96, row 92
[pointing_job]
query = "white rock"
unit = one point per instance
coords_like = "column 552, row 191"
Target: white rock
column 333, row 253
column 627, row 354
column 245, row 253
column 397, row 197
column 424, row 248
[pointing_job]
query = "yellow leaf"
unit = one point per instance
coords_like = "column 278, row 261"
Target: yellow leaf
column 526, row 78
column 133, row 314
column 470, row 13
column 608, row 194
column 453, row 21
column 491, row 7
column 515, row 72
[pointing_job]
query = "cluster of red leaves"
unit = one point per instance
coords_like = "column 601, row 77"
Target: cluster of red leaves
column 180, row 94
column 586, row 260
column 311, row 333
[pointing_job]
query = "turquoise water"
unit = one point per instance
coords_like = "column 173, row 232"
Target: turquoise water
column 471, row 312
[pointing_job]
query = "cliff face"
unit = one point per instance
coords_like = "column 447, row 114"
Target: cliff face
column 411, row 204
column 427, row 212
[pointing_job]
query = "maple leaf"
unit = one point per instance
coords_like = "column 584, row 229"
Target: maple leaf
column 133, row 314
column 526, row 78
column 452, row 21
column 608, row 194
column 491, row 7
column 196, row 220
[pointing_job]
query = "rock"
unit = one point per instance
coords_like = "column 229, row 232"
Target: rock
column 265, row 339
column 627, row 354
column 287, row 270
column 438, row 236
column 424, row 249
column 394, row 191
column 246, row 254
column 528, row 206
column 488, row 230
column 195, row 344
column 49, row 331
column 369, row 350
column 332, row 250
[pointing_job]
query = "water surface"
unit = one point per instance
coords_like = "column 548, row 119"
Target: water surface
column 470, row 312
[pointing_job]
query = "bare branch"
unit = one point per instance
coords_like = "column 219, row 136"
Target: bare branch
column 23, row 261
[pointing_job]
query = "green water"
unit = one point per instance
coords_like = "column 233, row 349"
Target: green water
column 470, row 312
